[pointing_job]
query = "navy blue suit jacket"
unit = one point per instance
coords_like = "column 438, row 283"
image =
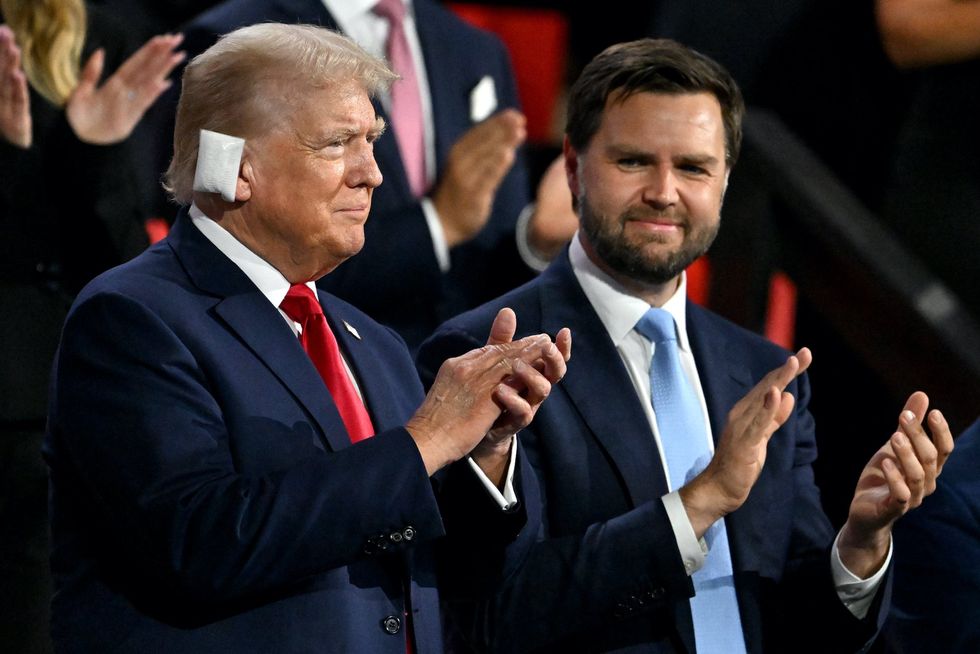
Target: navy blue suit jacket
column 605, row 573
column 205, row 496
column 937, row 562
column 396, row 278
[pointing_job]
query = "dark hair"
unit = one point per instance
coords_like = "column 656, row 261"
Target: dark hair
column 651, row 66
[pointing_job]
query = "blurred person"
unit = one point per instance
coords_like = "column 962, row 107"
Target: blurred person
column 677, row 508
column 240, row 462
column 69, row 209
column 456, row 174
column 937, row 563
column 933, row 195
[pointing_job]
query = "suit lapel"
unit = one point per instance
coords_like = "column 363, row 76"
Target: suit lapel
column 724, row 378
column 313, row 12
column 439, row 60
column 367, row 366
column 258, row 324
column 600, row 387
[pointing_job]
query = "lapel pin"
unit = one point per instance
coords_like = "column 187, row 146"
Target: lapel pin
column 351, row 329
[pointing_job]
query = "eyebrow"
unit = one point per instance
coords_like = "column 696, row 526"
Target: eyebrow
column 616, row 151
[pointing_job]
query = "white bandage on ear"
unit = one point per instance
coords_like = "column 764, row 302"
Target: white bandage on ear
column 218, row 159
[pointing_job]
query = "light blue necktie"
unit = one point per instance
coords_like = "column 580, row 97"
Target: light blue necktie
column 717, row 627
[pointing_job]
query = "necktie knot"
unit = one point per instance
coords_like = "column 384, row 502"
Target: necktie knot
column 657, row 325
column 300, row 304
column 391, row 10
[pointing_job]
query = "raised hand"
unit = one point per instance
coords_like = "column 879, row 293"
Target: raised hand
column 896, row 480
column 476, row 165
column 554, row 221
column 107, row 114
column 724, row 484
column 15, row 108
column 521, row 394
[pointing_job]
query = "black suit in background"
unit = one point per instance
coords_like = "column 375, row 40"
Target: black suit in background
column 68, row 211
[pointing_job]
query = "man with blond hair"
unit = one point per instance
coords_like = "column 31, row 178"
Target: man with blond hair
column 242, row 464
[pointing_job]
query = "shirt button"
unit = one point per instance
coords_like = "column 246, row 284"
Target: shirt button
column 392, row 624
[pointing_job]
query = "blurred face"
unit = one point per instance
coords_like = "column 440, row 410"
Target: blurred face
column 310, row 180
column 650, row 186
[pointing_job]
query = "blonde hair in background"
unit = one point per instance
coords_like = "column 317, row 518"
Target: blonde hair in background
column 245, row 84
column 50, row 34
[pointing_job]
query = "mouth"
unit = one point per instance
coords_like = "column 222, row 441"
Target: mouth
column 657, row 225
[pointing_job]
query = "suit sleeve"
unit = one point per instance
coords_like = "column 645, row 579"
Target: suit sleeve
column 138, row 423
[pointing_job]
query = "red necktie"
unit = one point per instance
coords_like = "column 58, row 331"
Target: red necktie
column 406, row 98
column 301, row 305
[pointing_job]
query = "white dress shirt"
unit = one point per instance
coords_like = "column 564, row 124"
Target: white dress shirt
column 619, row 312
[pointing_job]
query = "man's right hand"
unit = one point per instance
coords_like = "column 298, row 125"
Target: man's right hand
column 724, row 485
column 476, row 166
column 470, row 391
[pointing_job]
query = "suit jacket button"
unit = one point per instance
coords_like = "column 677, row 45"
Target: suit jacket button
column 392, row 624
column 395, row 536
column 409, row 533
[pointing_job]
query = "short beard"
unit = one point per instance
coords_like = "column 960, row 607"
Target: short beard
column 607, row 237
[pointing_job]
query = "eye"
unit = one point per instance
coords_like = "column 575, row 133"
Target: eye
column 629, row 162
column 693, row 169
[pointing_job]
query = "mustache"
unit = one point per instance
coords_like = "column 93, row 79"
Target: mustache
column 649, row 213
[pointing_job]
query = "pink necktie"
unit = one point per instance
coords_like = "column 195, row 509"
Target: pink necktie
column 321, row 345
column 406, row 101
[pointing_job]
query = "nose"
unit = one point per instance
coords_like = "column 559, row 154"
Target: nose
column 661, row 189
column 362, row 169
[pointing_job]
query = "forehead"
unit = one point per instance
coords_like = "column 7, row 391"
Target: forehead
column 645, row 119
column 334, row 105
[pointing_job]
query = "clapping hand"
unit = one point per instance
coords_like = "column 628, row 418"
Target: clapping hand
column 107, row 114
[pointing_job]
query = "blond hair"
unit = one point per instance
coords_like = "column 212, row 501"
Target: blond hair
column 50, row 34
column 237, row 85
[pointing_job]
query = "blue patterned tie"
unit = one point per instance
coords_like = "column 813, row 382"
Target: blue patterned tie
column 684, row 438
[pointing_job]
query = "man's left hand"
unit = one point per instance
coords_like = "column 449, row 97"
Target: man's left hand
column 896, row 480
column 520, row 396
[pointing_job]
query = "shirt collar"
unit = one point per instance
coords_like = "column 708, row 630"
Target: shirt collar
column 346, row 12
column 263, row 274
column 618, row 309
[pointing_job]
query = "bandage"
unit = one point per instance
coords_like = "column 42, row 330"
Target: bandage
column 218, row 159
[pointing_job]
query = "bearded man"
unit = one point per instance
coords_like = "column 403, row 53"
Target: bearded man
column 674, row 516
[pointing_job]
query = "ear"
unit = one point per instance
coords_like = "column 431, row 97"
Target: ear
column 572, row 171
column 243, row 187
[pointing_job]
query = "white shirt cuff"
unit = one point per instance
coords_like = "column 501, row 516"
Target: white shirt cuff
column 531, row 258
column 439, row 245
column 507, row 500
column 857, row 594
column 692, row 549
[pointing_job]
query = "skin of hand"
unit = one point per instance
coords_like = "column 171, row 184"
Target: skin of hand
column 107, row 114
column 922, row 33
column 737, row 463
column 896, row 480
column 520, row 396
column 554, row 221
column 465, row 400
column 15, row 108
column 476, row 165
